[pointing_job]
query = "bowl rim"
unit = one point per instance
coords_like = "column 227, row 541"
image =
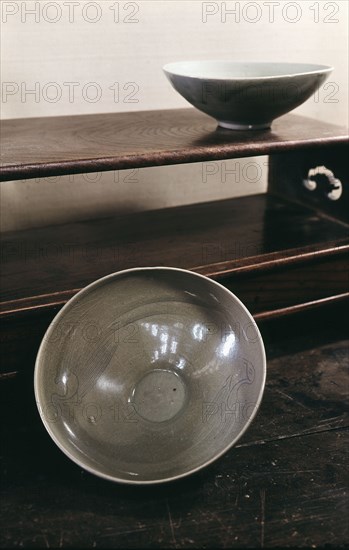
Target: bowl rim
column 170, row 69
column 84, row 291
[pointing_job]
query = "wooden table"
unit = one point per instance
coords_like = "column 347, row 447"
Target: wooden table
column 283, row 253
column 284, row 484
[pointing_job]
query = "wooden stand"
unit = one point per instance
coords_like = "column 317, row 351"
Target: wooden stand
column 283, row 253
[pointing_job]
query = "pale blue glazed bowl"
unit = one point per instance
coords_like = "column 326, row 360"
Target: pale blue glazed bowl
column 149, row 374
column 245, row 96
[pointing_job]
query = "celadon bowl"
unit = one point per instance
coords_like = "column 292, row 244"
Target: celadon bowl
column 149, row 374
column 245, row 96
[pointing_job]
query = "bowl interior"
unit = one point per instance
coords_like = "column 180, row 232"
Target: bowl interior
column 225, row 70
column 149, row 374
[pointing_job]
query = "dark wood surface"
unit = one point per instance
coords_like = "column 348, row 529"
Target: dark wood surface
column 113, row 141
column 284, row 485
column 265, row 248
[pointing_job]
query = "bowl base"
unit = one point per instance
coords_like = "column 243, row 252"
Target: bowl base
column 234, row 126
column 159, row 395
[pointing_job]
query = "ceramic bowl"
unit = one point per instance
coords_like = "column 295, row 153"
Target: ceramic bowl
column 149, row 374
column 245, row 96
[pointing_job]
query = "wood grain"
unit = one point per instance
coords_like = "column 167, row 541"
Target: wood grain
column 54, row 146
column 241, row 239
column 284, row 484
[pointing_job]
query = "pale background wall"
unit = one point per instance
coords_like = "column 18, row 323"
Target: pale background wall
column 107, row 45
